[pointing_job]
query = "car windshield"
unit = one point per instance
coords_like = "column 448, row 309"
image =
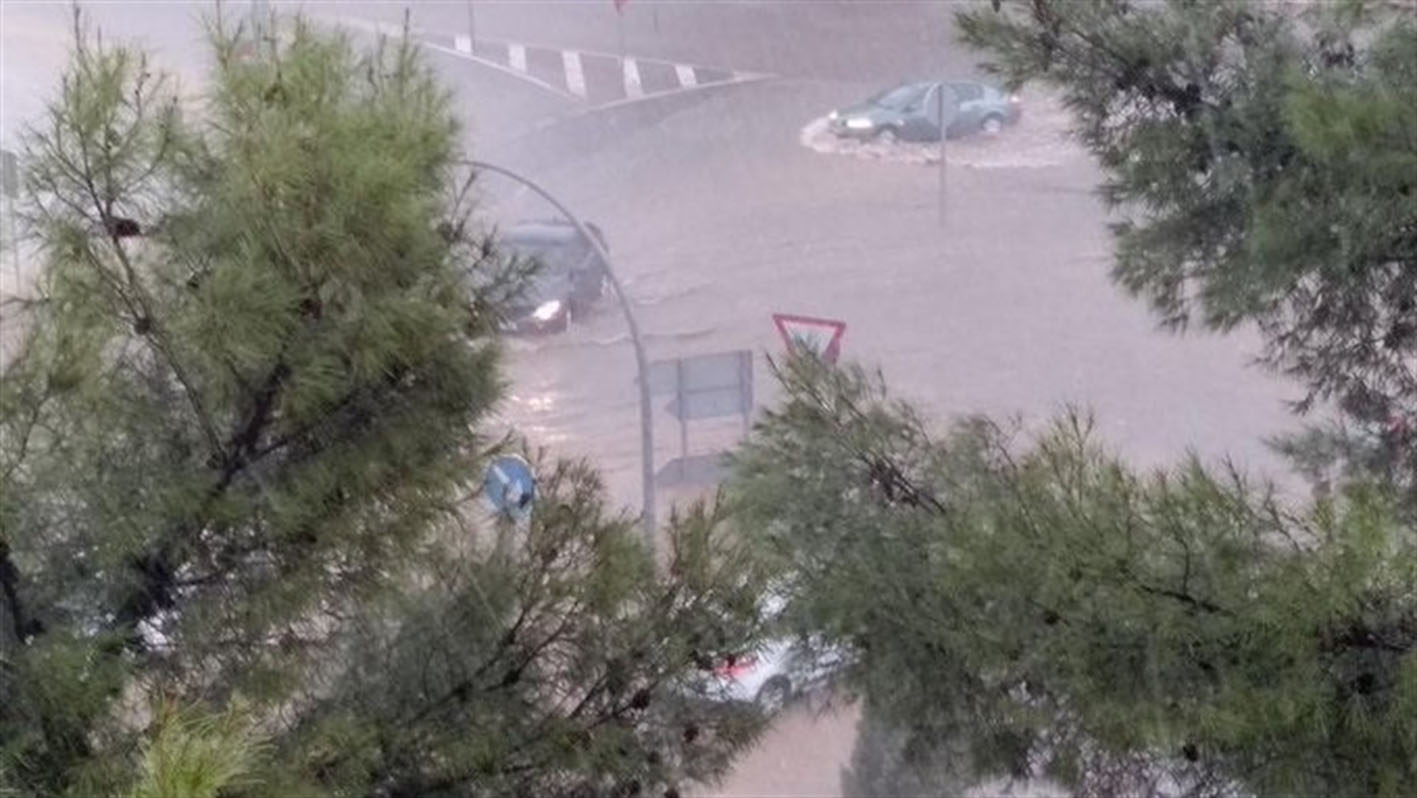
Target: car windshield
column 550, row 258
column 556, row 259
column 547, row 284
column 901, row 96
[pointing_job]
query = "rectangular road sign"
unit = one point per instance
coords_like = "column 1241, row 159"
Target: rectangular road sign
column 693, row 470
column 705, row 386
column 701, row 373
column 711, row 404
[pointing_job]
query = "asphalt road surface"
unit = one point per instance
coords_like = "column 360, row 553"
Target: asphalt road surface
column 684, row 130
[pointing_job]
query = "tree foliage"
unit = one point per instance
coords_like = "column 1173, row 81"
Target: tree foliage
column 1029, row 600
column 240, row 450
column 1263, row 160
column 197, row 756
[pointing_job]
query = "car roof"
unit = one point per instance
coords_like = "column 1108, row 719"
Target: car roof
column 545, row 231
column 935, row 82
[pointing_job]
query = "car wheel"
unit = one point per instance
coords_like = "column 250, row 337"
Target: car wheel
column 887, row 136
column 773, row 696
column 992, row 125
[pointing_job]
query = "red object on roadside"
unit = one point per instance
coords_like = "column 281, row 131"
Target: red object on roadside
column 734, row 667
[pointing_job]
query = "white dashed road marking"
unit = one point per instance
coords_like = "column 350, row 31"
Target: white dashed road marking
column 598, row 79
column 633, row 88
column 575, row 75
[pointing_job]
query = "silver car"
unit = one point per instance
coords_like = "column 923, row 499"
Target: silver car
column 911, row 112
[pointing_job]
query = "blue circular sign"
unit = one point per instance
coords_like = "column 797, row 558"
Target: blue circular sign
column 510, row 486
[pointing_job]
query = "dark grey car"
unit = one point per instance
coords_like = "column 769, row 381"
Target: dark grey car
column 570, row 276
column 911, row 112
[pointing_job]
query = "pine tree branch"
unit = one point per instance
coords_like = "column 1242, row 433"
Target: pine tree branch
column 243, row 440
column 10, row 589
column 1183, row 597
column 104, row 208
column 892, row 476
column 1361, row 636
column 138, row 305
column 22, row 450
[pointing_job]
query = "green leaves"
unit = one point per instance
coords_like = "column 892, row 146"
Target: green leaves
column 1034, row 598
column 196, row 756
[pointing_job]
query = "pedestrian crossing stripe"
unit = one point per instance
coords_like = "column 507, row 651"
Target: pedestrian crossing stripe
column 587, row 76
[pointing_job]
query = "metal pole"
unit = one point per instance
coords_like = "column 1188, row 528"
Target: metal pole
column 941, row 94
column 471, row 27
column 641, row 362
column 683, row 419
column 15, row 241
column 10, row 187
column 260, row 16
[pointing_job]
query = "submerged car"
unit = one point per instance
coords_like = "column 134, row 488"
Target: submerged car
column 569, row 278
column 911, row 112
column 779, row 672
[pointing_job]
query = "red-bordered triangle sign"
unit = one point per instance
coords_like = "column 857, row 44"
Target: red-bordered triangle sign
column 822, row 336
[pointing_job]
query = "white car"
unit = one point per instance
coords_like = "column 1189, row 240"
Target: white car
column 782, row 669
column 776, row 674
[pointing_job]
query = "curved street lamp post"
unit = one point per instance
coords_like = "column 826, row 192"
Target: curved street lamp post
column 641, row 363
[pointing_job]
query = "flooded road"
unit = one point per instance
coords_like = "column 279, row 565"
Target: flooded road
column 727, row 218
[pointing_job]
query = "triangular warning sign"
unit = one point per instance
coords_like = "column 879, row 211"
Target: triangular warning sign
column 822, row 336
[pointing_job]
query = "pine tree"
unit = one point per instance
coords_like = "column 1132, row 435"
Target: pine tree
column 1261, row 158
column 1023, row 603
column 241, row 443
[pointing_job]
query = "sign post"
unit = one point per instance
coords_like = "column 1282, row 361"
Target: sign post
column 822, row 336
column 944, row 119
column 10, row 184
column 620, row 25
column 471, row 29
column 260, row 19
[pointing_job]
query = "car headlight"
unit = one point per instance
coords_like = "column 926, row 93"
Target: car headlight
column 860, row 123
column 547, row 311
column 833, row 116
